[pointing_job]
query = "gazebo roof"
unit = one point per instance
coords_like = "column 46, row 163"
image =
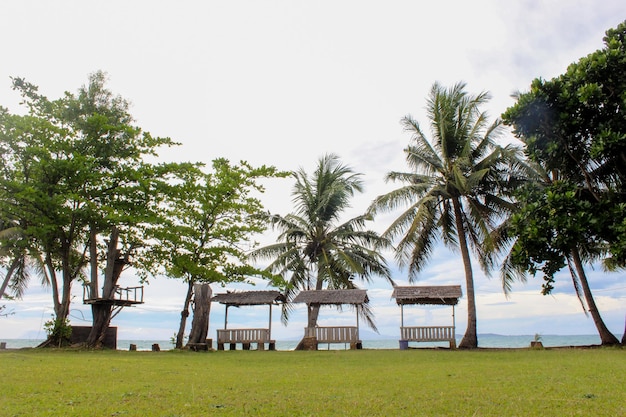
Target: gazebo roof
column 249, row 298
column 436, row 294
column 337, row 297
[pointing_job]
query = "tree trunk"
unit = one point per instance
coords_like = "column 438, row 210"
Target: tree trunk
column 54, row 284
column 183, row 316
column 93, row 261
column 313, row 312
column 103, row 310
column 470, row 339
column 606, row 336
column 101, row 318
column 61, row 307
column 201, row 310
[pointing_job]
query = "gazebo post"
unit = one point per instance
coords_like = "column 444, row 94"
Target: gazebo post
column 453, row 320
column 357, row 322
column 404, row 344
column 270, row 325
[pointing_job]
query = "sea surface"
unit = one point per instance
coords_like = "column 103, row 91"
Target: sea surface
column 484, row 341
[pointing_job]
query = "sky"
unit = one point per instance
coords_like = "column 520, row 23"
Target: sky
column 284, row 82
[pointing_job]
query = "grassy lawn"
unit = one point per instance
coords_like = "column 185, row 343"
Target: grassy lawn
column 416, row 382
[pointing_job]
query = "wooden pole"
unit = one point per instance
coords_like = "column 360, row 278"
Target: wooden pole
column 270, row 326
column 226, row 318
column 453, row 321
column 357, row 323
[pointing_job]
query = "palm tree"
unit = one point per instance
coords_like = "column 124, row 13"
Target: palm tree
column 456, row 190
column 313, row 249
column 18, row 258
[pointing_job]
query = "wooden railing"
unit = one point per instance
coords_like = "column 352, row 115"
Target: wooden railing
column 336, row 334
column 243, row 335
column 428, row 334
column 121, row 296
column 134, row 294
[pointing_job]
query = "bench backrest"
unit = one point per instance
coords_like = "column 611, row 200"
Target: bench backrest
column 336, row 334
column 243, row 335
column 427, row 333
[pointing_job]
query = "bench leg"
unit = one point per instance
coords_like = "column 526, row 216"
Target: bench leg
column 272, row 345
column 220, row 346
column 233, row 346
column 260, row 346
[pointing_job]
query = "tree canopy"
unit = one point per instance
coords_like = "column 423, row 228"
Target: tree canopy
column 574, row 125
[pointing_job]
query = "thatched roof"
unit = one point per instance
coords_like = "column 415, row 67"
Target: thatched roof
column 249, row 298
column 440, row 294
column 337, row 297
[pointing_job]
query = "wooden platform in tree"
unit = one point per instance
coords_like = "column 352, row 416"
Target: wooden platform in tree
column 122, row 297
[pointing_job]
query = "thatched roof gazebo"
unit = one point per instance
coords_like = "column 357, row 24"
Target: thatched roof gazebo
column 427, row 295
column 336, row 334
column 246, row 336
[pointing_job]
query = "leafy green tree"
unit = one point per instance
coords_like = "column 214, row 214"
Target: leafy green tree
column 33, row 165
column 575, row 127
column 458, row 188
column 314, row 249
column 211, row 218
column 76, row 181
column 554, row 229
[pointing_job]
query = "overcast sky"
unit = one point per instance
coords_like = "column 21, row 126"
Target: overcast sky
column 284, row 82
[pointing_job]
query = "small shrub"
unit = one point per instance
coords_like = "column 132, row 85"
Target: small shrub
column 59, row 331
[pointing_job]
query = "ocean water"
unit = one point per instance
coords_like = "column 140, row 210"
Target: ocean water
column 484, row 341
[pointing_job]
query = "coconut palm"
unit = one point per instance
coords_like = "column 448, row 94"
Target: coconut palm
column 17, row 259
column 316, row 251
column 456, row 190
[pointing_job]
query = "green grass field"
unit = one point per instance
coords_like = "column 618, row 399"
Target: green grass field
column 416, row 382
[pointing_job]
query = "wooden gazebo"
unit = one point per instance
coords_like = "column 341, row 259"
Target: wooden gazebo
column 336, row 334
column 427, row 295
column 247, row 336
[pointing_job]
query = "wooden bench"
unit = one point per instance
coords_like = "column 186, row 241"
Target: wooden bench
column 245, row 337
column 429, row 334
column 335, row 334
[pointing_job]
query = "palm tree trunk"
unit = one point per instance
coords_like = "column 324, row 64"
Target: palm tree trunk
column 313, row 312
column 470, row 339
column 7, row 277
column 606, row 336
